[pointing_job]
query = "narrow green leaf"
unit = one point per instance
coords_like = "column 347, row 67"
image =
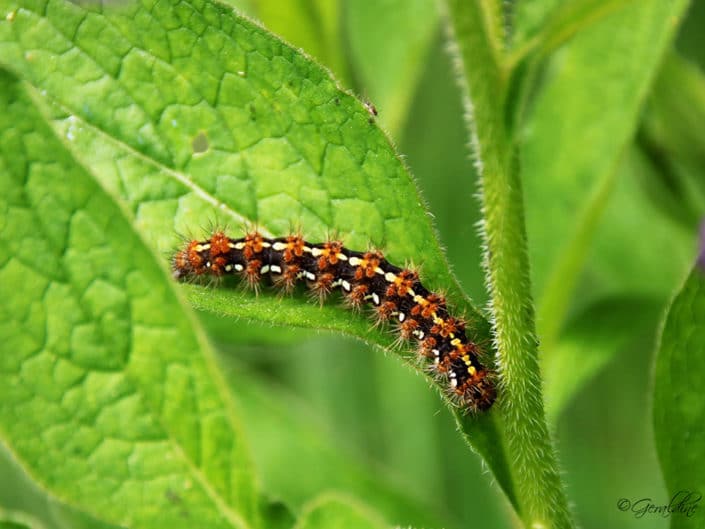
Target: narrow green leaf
column 679, row 410
column 540, row 498
column 389, row 42
column 337, row 512
column 571, row 152
column 624, row 270
column 107, row 396
column 542, row 26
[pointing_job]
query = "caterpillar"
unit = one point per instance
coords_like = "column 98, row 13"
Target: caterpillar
column 363, row 278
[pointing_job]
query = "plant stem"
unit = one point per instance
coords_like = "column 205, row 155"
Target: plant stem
column 540, row 495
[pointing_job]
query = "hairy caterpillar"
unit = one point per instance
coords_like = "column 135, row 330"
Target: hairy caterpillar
column 363, row 278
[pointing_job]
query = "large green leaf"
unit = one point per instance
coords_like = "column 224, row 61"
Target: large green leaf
column 21, row 498
column 285, row 146
column 188, row 115
column 679, row 409
column 107, row 396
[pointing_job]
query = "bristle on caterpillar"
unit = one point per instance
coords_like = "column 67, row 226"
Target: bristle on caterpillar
column 394, row 293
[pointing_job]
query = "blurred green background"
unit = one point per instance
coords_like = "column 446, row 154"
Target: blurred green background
column 356, row 421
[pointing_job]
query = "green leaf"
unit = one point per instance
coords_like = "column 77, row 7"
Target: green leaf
column 571, row 152
column 313, row 25
column 389, row 68
column 679, row 410
column 21, row 499
column 542, row 26
column 107, row 395
column 337, row 512
column 285, row 146
column 589, row 342
column 188, row 114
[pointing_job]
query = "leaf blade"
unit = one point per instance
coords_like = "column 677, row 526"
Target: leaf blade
column 85, row 393
column 678, row 411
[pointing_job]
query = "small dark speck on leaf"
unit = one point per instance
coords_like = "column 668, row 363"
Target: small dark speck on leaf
column 172, row 496
column 253, row 113
column 337, row 101
column 200, row 143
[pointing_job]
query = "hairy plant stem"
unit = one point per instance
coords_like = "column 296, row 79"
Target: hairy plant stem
column 540, row 496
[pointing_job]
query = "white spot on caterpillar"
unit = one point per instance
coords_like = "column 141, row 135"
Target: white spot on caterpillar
column 346, row 285
column 239, row 268
column 418, row 333
column 342, row 256
column 265, row 244
column 228, row 268
column 239, row 245
column 375, row 298
column 202, row 247
column 453, row 379
column 279, row 246
column 316, row 252
column 264, row 269
column 275, row 269
column 402, row 316
column 355, row 261
column 310, row 276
